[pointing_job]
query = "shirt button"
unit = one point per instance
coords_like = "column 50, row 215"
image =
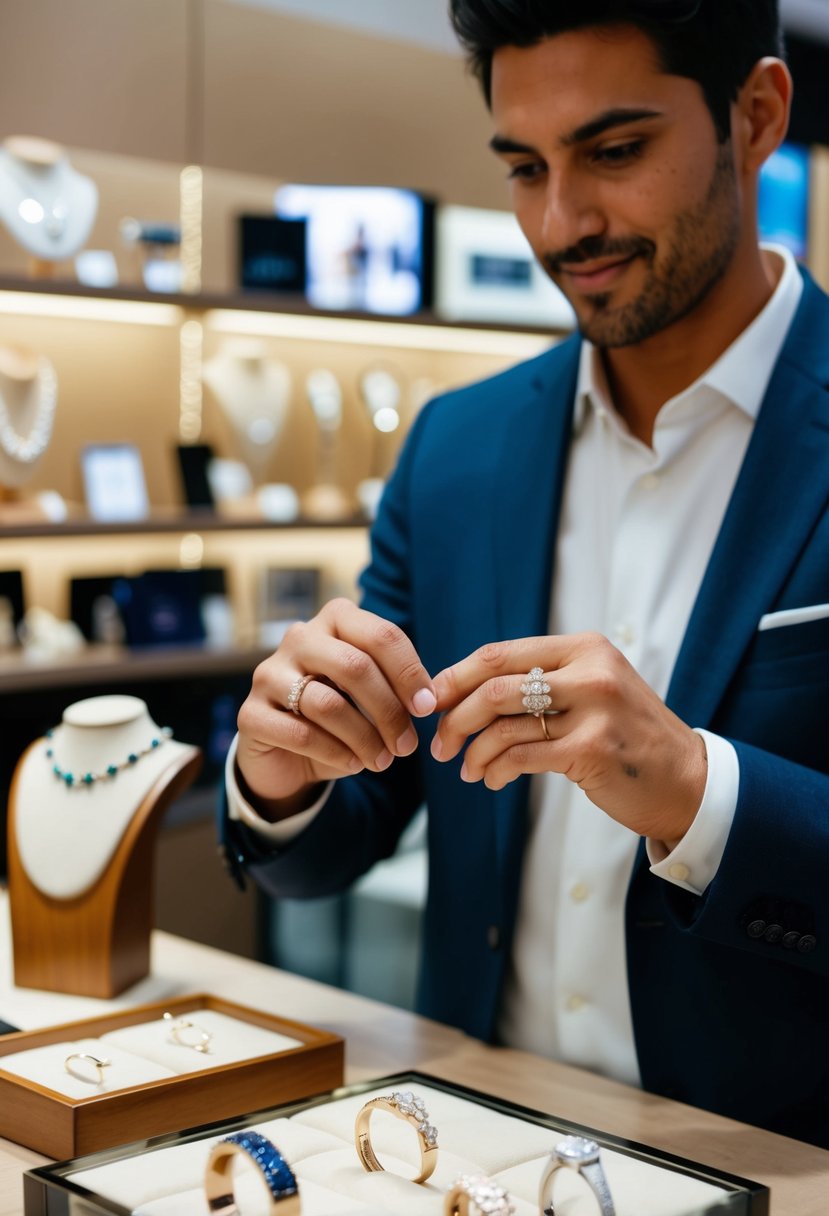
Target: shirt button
column 580, row 892
column 625, row 635
column 651, row 481
column 574, row 1003
column 679, row 871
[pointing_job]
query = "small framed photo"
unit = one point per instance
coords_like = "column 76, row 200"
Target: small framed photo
column 114, row 485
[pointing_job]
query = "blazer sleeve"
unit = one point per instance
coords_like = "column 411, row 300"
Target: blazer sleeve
column 365, row 815
column 770, row 895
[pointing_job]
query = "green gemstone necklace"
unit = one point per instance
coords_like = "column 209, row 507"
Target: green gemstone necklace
column 76, row 780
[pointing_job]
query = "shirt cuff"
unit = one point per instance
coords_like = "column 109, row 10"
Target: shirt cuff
column 238, row 807
column 694, row 862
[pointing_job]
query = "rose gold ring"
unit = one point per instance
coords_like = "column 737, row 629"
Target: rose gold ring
column 295, row 693
column 403, row 1105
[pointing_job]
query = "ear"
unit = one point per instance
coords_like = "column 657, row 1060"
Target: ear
column 760, row 117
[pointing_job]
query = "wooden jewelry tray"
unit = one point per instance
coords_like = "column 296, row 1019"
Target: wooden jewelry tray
column 59, row 1126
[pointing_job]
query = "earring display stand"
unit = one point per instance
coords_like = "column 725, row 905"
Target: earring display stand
column 80, row 860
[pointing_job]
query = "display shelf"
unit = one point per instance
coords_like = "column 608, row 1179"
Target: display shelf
column 105, row 665
column 187, row 521
column 250, row 301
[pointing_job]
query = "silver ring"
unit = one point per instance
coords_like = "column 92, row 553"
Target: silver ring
column 535, row 689
column 295, row 693
column 98, row 1065
column 582, row 1155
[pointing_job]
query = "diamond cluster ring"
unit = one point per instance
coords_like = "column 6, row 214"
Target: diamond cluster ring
column 403, row 1105
column 582, row 1155
column 486, row 1196
column 535, row 689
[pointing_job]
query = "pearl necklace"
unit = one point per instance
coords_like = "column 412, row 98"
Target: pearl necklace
column 26, row 449
column 75, row 780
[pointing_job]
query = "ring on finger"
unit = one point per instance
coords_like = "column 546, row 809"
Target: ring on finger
column 295, row 693
column 535, row 689
column 543, row 720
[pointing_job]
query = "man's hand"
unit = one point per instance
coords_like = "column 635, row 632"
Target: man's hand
column 355, row 712
column 608, row 731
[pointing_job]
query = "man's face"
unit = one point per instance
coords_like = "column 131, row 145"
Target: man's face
column 617, row 179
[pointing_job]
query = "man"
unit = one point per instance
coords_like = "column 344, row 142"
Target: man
column 629, row 872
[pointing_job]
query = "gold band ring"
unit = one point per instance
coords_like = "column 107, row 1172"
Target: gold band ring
column 98, row 1065
column 543, row 720
column 295, row 693
column 403, row 1105
column 179, row 1027
column 486, row 1196
column 283, row 1189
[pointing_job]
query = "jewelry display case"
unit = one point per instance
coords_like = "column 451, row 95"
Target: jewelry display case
column 291, row 1061
column 475, row 1134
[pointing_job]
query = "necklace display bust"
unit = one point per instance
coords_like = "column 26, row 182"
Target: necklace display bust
column 254, row 394
column 28, row 398
column 84, row 807
column 47, row 206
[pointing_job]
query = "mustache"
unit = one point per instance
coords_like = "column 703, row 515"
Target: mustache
column 593, row 248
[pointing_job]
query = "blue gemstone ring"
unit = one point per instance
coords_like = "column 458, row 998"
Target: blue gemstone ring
column 277, row 1175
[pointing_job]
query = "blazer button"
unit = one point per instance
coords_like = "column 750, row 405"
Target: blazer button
column 789, row 940
column 807, row 943
column 773, row 934
column 756, row 928
column 493, row 937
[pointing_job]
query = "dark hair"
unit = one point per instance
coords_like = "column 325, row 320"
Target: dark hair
column 714, row 42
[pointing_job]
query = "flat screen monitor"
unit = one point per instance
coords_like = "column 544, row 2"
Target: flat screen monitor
column 783, row 204
column 368, row 248
column 486, row 271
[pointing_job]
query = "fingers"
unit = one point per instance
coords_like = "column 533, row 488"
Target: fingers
column 515, row 745
column 498, row 698
column 389, row 648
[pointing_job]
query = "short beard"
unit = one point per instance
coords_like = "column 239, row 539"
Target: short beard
column 702, row 246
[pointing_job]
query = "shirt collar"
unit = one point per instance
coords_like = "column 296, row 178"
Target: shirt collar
column 742, row 371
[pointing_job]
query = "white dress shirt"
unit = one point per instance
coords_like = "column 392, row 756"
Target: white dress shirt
column 637, row 528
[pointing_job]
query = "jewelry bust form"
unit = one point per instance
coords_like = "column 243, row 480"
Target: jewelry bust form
column 28, row 399
column 48, row 207
column 81, row 853
column 254, row 394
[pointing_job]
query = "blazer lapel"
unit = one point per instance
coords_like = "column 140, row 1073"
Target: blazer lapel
column 782, row 488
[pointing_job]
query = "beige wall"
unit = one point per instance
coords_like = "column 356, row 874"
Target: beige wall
column 244, row 89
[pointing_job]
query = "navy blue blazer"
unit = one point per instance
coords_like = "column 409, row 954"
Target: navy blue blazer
column 729, row 991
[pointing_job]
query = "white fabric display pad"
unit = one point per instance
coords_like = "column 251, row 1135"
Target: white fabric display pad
column 146, row 1052
column 318, row 1144
column 66, row 836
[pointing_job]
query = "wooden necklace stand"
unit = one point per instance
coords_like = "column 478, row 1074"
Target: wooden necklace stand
column 97, row 943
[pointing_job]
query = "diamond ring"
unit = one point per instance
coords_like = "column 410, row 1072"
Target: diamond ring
column 404, row 1105
column 277, row 1175
column 535, row 689
column 295, row 693
column 486, row 1196
column 582, row 1155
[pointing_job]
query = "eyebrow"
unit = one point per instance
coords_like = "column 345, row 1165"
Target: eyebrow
column 588, row 130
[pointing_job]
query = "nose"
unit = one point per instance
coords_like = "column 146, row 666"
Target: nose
column 571, row 212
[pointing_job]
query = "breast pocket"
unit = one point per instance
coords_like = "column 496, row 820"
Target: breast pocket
column 789, row 656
